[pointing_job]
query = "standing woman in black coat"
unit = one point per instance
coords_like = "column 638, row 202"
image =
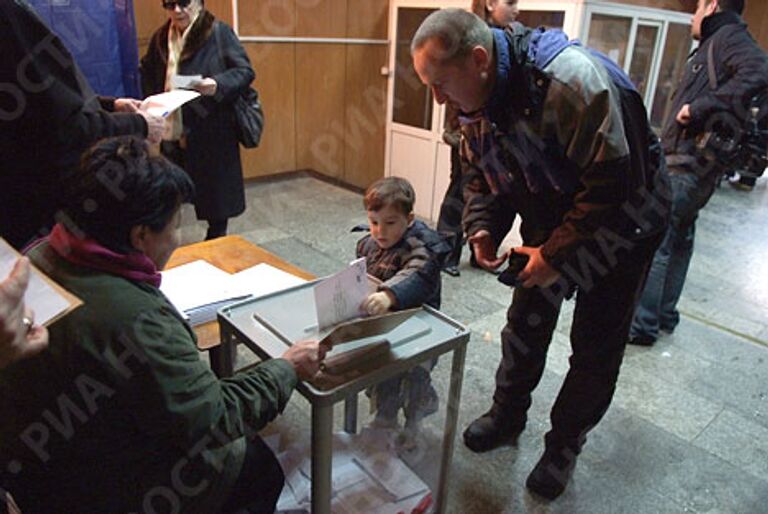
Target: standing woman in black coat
column 201, row 136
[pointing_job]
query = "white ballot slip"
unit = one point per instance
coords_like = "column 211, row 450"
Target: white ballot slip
column 263, row 279
column 165, row 103
column 186, row 81
column 339, row 297
column 48, row 300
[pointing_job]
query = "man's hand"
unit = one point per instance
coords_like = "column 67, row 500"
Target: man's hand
column 537, row 272
column 206, row 87
column 684, row 116
column 155, row 127
column 378, row 303
column 19, row 337
column 130, row 105
column 485, row 250
column 305, row 357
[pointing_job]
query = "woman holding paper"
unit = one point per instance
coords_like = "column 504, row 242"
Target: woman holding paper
column 133, row 420
column 193, row 50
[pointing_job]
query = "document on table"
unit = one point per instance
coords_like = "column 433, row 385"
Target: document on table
column 263, row 279
column 339, row 297
column 165, row 103
column 48, row 300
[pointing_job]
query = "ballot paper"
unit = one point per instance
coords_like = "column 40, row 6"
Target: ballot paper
column 165, row 103
column 339, row 297
column 47, row 300
column 263, row 279
column 199, row 289
column 186, row 81
column 354, row 487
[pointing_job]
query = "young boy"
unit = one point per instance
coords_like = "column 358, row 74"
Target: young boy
column 406, row 256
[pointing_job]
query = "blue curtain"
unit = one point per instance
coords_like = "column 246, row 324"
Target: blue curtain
column 101, row 34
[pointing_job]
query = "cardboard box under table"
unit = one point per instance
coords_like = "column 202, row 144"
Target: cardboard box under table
column 267, row 325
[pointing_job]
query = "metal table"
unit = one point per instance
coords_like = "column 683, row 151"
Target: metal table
column 426, row 335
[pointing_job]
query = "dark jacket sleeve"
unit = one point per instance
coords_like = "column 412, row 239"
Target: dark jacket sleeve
column 177, row 395
column 746, row 73
column 481, row 206
column 587, row 122
column 419, row 277
column 239, row 73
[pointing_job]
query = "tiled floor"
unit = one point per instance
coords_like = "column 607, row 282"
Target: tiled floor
column 688, row 428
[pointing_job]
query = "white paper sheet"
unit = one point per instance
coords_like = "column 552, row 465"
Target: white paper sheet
column 198, row 284
column 392, row 474
column 185, row 81
column 165, row 103
column 263, row 279
column 44, row 300
column 339, row 297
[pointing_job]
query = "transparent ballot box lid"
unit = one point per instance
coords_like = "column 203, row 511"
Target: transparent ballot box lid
column 362, row 352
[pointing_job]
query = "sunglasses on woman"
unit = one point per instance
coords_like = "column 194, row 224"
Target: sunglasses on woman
column 172, row 5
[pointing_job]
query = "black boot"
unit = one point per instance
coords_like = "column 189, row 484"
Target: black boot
column 492, row 430
column 552, row 473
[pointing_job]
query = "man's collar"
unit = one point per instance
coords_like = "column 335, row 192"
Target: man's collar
column 715, row 22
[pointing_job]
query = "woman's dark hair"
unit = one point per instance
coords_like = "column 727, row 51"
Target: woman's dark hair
column 118, row 186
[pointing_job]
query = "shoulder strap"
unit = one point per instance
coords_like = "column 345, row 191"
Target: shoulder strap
column 711, row 66
column 716, row 39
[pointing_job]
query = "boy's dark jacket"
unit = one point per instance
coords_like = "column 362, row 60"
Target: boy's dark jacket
column 410, row 269
column 570, row 136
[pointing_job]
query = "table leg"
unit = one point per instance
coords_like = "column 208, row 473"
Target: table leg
column 223, row 356
column 350, row 414
column 322, row 455
column 451, row 419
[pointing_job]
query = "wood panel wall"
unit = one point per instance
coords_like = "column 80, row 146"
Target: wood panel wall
column 325, row 104
column 756, row 16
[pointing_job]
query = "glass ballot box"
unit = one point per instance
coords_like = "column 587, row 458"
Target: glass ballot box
column 390, row 448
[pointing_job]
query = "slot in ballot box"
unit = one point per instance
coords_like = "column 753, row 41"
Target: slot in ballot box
column 383, row 351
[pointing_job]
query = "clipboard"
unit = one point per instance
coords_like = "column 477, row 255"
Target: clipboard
column 47, row 299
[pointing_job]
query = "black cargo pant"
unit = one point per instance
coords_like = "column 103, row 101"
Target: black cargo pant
column 599, row 332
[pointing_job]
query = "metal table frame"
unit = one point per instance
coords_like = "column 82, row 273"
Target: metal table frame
column 322, row 402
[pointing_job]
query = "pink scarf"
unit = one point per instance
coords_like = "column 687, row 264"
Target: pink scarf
column 136, row 267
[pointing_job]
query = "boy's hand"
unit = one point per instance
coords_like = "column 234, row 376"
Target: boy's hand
column 378, row 303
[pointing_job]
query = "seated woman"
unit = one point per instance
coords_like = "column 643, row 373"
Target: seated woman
column 119, row 413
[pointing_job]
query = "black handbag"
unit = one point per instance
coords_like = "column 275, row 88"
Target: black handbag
column 249, row 118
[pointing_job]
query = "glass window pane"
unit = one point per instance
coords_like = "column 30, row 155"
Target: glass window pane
column 676, row 50
column 642, row 57
column 413, row 100
column 610, row 35
column 548, row 19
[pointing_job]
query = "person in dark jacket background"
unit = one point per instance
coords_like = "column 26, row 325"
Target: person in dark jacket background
column 201, row 136
column 406, row 256
column 741, row 68
column 561, row 131
column 48, row 116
